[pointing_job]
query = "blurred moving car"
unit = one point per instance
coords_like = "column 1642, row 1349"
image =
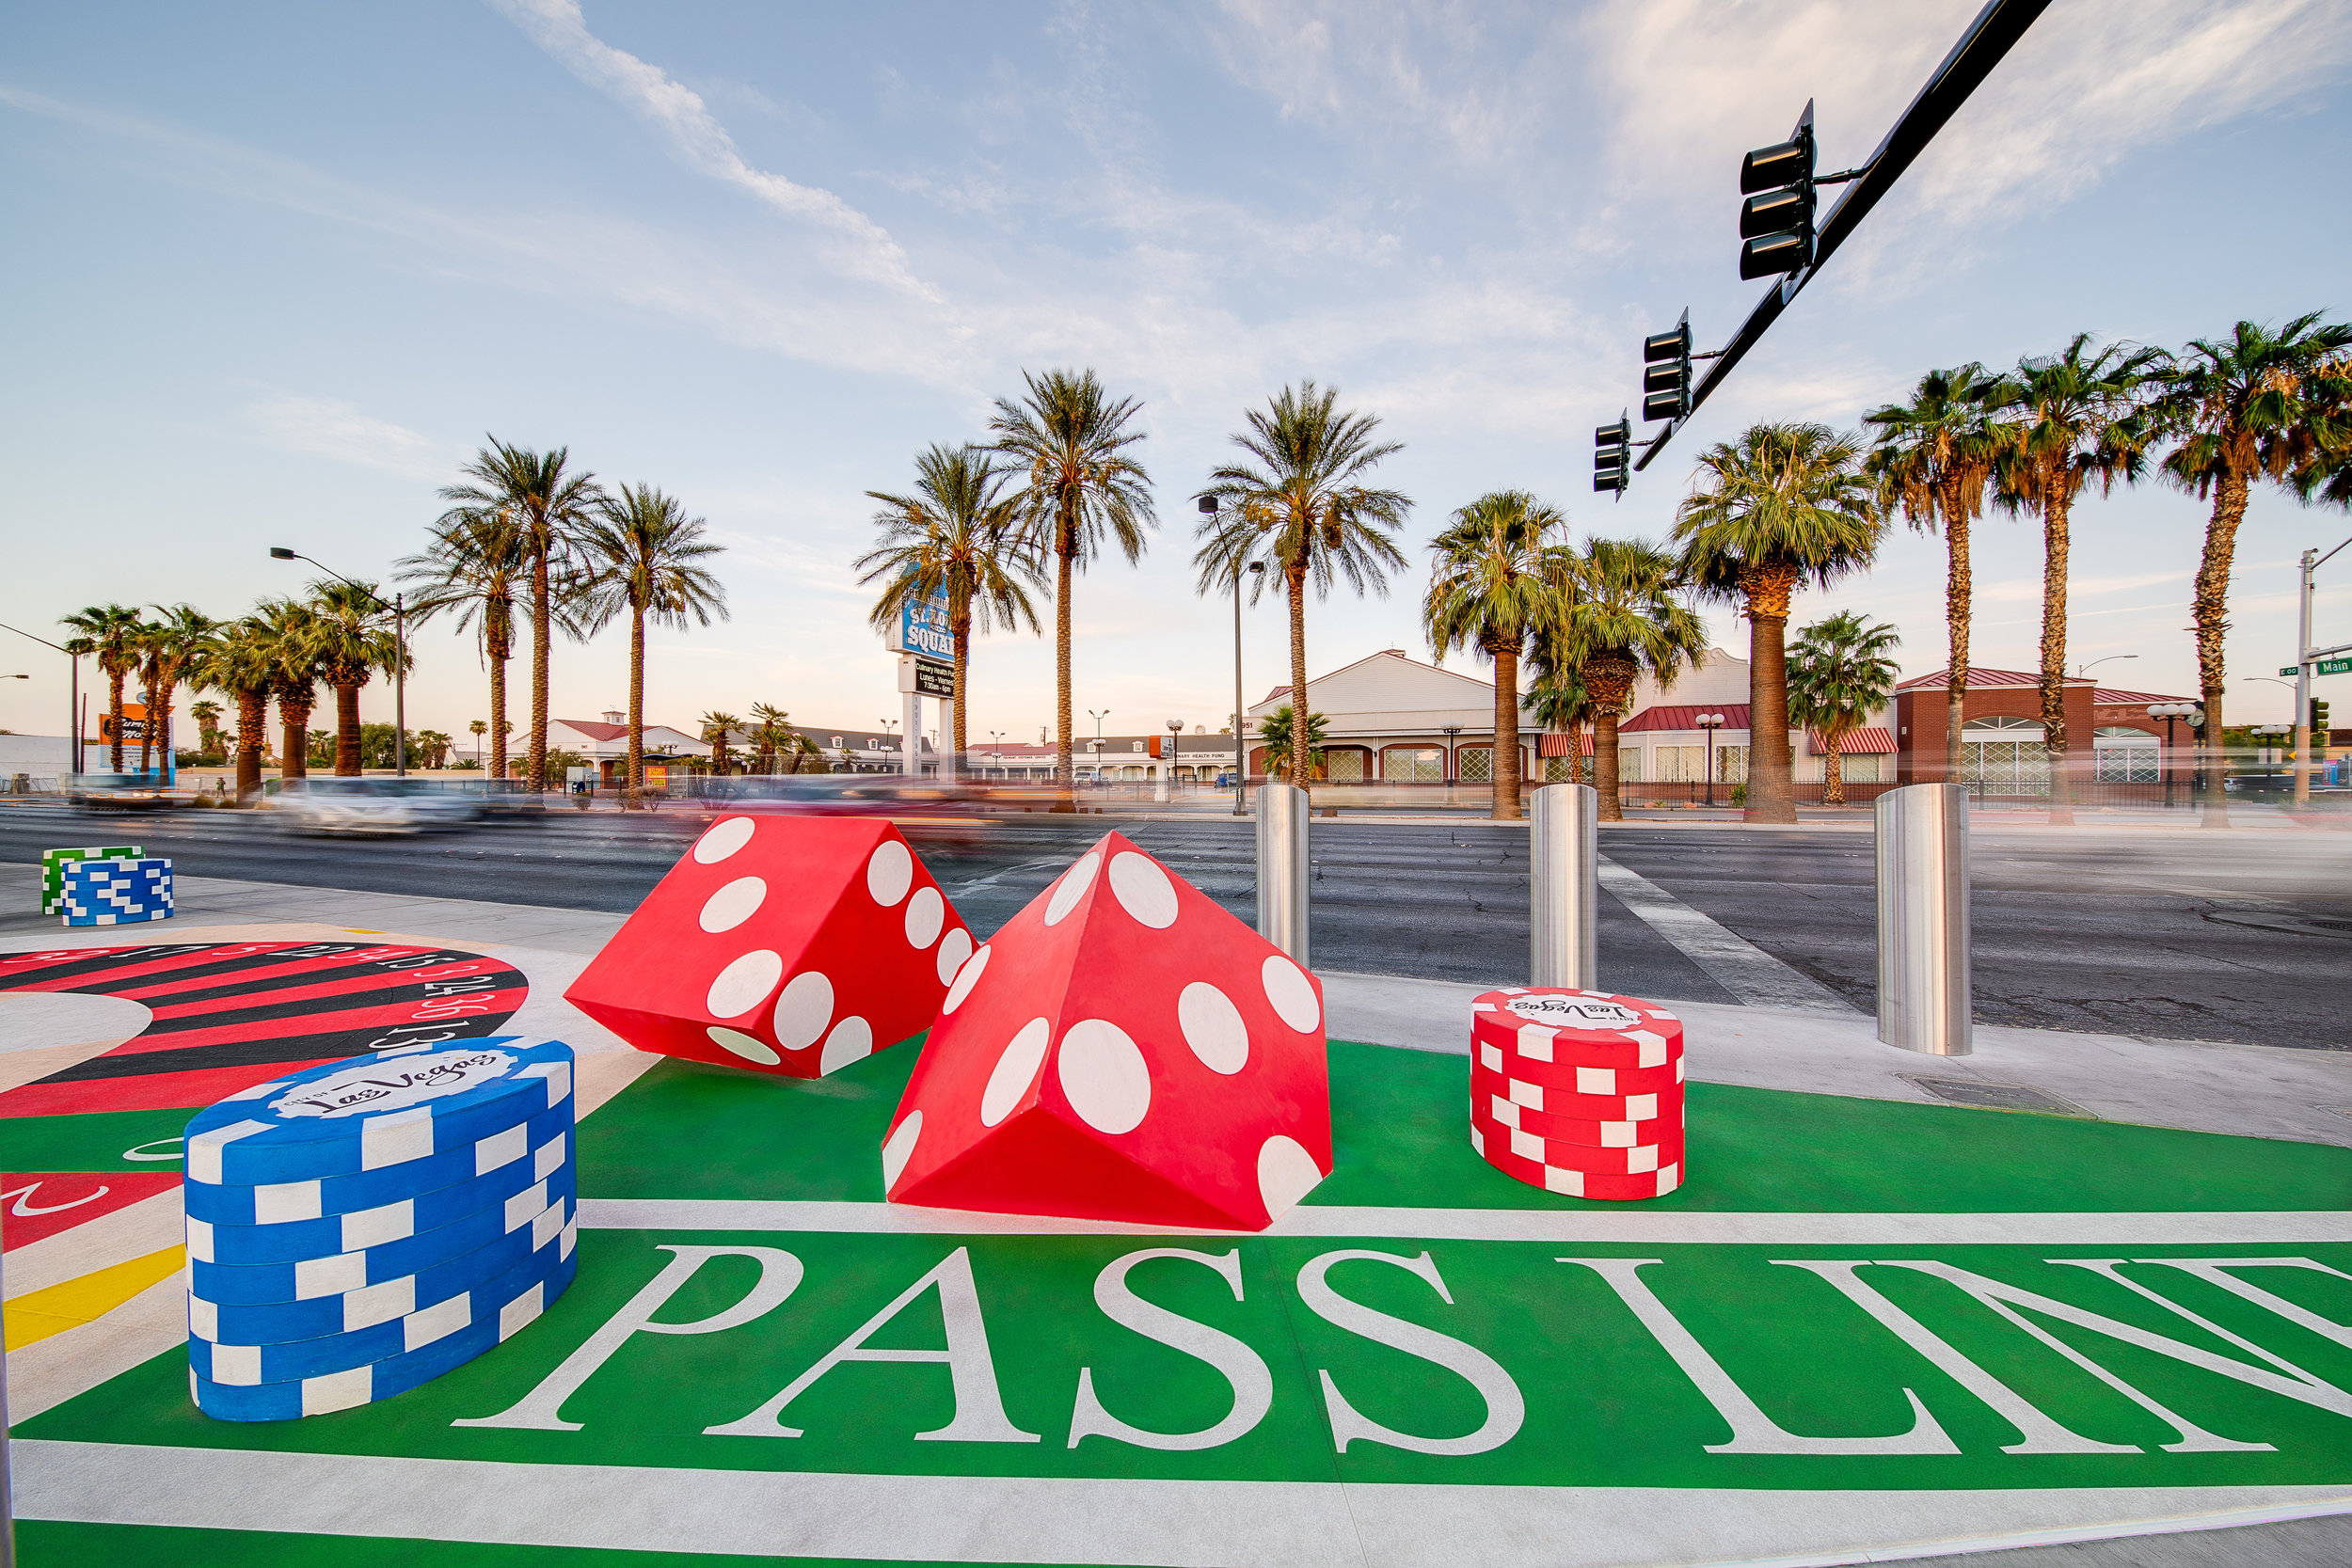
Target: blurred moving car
column 115, row 791
column 330, row 805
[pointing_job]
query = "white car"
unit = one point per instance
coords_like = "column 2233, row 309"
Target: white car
column 330, row 805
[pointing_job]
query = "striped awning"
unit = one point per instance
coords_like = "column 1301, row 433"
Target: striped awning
column 1856, row 743
column 1556, row 745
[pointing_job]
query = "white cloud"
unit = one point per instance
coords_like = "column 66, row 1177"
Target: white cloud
column 697, row 137
column 331, row 428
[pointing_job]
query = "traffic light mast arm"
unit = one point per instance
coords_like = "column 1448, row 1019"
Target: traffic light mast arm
column 1988, row 39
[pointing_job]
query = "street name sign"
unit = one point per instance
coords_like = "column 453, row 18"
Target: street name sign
column 2324, row 667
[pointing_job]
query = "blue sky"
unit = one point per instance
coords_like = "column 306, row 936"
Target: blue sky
column 271, row 272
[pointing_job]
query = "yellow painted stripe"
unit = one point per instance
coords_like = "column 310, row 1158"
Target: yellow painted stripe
column 37, row 1314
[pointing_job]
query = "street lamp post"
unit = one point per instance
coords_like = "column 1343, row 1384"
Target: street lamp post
column 2304, row 654
column 398, row 606
column 1098, row 718
column 1709, row 724
column 1452, row 737
column 1241, row 741
column 1167, row 769
column 73, row 699
column 2172, row 713
column 2083, row 670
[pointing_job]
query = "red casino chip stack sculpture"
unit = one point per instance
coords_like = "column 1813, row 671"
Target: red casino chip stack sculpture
column 1577, row 1092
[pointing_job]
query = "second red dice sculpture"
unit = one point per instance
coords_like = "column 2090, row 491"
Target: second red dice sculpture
column 790, row 944
column 1124, row 1050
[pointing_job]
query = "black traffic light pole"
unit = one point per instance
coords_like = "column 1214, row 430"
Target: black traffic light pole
column 1988, row 39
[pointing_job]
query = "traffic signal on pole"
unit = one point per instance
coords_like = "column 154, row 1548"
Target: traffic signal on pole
column 1666, row 374
column 1612, row 445
column 1776, row 220
column 2319, row 720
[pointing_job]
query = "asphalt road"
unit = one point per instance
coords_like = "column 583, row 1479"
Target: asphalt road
column 2153, row 931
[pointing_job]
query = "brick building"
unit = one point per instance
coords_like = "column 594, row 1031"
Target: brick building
column 2001, row 732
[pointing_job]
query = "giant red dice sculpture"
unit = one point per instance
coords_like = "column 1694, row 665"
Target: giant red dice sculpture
column 790, row 944
column 1121, row 1050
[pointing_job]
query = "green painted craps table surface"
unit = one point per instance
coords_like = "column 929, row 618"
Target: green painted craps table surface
column 1611, row 1411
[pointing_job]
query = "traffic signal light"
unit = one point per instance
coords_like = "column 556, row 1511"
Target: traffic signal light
column 1611, row 443
column 1776, row 220
column 2319, row 720
column 1666, row 374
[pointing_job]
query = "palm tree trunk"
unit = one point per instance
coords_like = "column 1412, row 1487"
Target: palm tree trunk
column 959, row 627
column 294, row 718
column 147, row 728
column 1507, row 767
column 1771, row 781
column 113, row 712
column 161, row 703
column 347, row 731
column 1833, row 771
column 718, row 754
column 252, row 716
column 2210, row 612
column 1958, row 588
column 1296, row 582
column 635, row 780
column 2055, row 507
column 498, row 715
column 540, row 644
column 1062, row 668
column 1605, row 767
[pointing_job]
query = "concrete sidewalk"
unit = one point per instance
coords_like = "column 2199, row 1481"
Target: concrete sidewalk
column 2254, row 1091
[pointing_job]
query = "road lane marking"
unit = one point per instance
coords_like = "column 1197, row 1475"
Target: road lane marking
column 1733, row 962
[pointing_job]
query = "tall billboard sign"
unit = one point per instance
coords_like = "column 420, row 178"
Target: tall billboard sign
column 922, row 629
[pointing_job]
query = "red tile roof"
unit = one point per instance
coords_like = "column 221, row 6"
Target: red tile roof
column 2107, row 695
column 1941, row 679
column 596, row 730
column 1685, row 717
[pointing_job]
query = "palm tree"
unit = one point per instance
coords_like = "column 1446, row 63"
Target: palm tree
column 770, row 724
column 207, row 717
column 1562, row 703
column 959, row 535
column 1623, row 623
column 2260, row 405
column 433, row 747
column 289, row 629
column 479, row 561
column 1282, row 750
column 1839, row 674
column 173, row 644
column 112, row 631
column 1487, row 587
column 547, row 506
column 1301, row 503
column 1934, row 455
column 2074, row 418
column 643, row 554
column 349, row 642
column 1786, row 506
column 478, row 729
column 716, row 728
column 237, row 663
column 1084, row 482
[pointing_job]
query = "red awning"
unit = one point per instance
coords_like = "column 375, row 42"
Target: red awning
column 1556, row 745
column 1857, row 743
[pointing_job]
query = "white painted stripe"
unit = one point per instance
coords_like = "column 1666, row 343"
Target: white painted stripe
column 1179, row 1524
column 1634, row 1227
column 1732, row 961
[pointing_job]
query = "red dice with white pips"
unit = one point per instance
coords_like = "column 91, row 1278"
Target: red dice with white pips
column 1124, row 1050
column 792, row 945
column 1577, row 1092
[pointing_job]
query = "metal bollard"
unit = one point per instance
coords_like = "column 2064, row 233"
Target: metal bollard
column 1924, row 992
column 1283, row 870
column 1563, row 887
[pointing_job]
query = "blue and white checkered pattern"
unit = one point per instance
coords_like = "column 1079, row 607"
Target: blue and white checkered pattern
column 102, row 891
column 362, row 1227
column 53, row 862
column 443, row 1342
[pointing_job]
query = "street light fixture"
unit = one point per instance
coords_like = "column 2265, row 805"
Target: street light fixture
column 74, row 696
column 398, row 606
column 2083, row 670
column 1709, row 724
column 1241, row 742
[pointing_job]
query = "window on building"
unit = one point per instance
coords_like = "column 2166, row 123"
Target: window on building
column 2121, row 755
column 836, row 743
column 1859, row 769
column 1630, row 765
column 1557, row 769
column 1680, row 763
column 1731, row 765
column 1411, row 765
column 1476, row 764
column 1344, row 766
column 1136, row 746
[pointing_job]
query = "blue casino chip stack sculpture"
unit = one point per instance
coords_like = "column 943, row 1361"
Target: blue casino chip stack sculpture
column 104, row 891
column 362, row 1227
